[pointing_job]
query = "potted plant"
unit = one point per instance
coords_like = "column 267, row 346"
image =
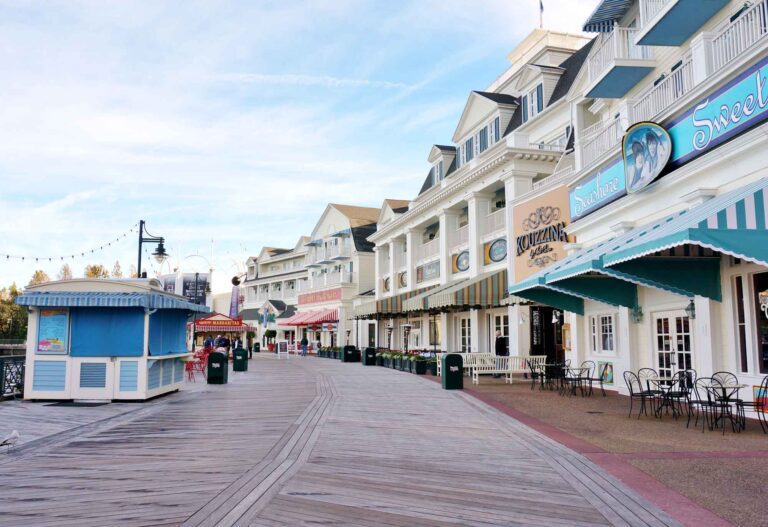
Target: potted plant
column 379, row 359
column 432, row 365
column 419, row 365
column 270, row 334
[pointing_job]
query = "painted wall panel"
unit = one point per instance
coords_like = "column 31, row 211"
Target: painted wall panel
column 129, row 376
column 49, row 376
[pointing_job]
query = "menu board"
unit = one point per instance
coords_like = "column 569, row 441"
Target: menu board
column 53, row 331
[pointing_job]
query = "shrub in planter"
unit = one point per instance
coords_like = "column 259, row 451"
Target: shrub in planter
column 432, row 366
column 420, row 366
column 379, row 359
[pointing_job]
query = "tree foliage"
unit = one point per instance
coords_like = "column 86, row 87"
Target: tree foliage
column 65, row 273
column 117, row 271
column 13, row 318
column 132, row 272
column 39, row 277
column 96, row 271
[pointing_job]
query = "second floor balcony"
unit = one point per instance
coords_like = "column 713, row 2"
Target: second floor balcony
column 672, row 22
column 616, row 64
column 328, row 280
column 598, row 139
column 495, row 222
column 428, row 251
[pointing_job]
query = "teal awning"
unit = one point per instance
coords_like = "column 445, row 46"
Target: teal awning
column 536, row 290
column 733, row 223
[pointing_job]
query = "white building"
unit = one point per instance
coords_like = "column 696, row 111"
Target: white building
column 442, row 266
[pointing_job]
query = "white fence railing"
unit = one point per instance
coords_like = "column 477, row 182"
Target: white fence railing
column 428, row 250
column 339, row 251
column 327, row 280
column 462, row 236
column 558, row 177
column 495, row 222
column 600, row 142
column 740, row 35
column 549, row 147
column 651, row 8
column 664, row 94
column 618, row 44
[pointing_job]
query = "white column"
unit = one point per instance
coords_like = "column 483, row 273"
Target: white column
column 479, row 330
column 411, row 240
column 703, row 337
column 479, row 206
column 446, row 341
column 391, row 266
column 623, row 361
column 448, row 226
column 378, row 270
column 701, row 56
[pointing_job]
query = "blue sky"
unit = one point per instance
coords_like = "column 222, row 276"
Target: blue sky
column 229, row 125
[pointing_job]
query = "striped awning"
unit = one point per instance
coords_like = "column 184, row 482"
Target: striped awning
column 679, row 254
column 365, row 310
column 104, row 299
column 393, row 305
column 419, row 302
column 308, row 318
column 485, row 290
column 606, row 14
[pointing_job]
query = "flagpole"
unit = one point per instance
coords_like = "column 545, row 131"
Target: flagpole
column 541, row 14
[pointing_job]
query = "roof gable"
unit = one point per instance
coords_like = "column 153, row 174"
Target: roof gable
column 480, row 106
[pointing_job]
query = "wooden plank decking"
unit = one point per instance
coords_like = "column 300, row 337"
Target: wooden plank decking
column 305, row 442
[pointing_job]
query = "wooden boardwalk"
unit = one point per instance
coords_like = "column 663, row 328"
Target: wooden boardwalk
column 308, row 442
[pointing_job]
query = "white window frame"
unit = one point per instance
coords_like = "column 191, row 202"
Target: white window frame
column 597, row 325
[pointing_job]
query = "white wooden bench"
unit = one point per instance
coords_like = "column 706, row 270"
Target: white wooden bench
column 508, row 366
column 468, row 361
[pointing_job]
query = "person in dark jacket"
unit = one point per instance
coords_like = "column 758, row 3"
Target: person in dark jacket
column 304, row 344
column 500, row 347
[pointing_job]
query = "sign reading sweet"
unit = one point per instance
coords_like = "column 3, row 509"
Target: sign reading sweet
column 320, row 296
column 540, row 235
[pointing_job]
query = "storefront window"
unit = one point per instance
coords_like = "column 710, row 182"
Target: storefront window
column 760, row 282
column 601, row 329
column 741, row 325
column 434, row 332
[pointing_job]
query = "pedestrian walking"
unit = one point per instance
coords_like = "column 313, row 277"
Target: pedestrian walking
column 304, row 344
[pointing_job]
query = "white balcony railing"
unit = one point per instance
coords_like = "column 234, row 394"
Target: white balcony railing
column 339, row 251
column 401, row 259
column 602, row 139
column 495, row 222
column 664, row 94
column 462, row 236
column 327, row 280
column 560, row 176
column 650, row 8
column 428, row 250
column 549, row 147
column 740, row 35
column 616, row 45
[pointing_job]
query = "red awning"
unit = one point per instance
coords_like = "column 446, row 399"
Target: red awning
column 312, row 317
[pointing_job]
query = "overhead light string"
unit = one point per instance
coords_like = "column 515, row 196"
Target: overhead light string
column 70, row 256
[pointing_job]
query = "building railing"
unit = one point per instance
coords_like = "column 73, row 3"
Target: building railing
column 740, row 35
column 601, row 140
column 618, row 44
column 495, row 222
column 336, row 251
column 428, row 250
column 650, row 8
column 549, row 147
column 11, row 375
column 462, row 236
column 327, row 280
column 401, row 259
column 664, row 94
column 560, row 176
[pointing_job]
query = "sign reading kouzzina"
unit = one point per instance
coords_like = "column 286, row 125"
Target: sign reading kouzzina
column 320, row 297
column 539, row 227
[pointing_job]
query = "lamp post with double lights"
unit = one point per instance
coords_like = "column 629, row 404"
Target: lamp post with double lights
column 159, row 254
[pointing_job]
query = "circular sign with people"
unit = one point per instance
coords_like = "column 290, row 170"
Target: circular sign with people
column 647, row 148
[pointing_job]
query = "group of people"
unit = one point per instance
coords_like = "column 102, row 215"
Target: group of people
column 222, row 343
column 304, row 343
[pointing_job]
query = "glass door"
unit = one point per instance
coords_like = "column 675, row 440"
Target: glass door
column 673, row 342
column 465, row 335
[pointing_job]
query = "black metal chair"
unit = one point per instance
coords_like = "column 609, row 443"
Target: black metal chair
column 700, row 400
column 636, row 391
column 576, row 378
column 600, row 377
column 536, row 375
column 677, row 394
column 758, row 406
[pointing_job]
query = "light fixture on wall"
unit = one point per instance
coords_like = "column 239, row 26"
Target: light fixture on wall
column 555, row 316
column 690, row 310
column 637, row 314
column 522, row 320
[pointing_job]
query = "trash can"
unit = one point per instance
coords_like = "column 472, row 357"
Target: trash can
column 351, row 354
column 239, row 360
column 369, row 357
column 452, row 372
column 218, row 368
column 257, row 347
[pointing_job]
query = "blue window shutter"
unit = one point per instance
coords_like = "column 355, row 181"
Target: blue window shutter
column 496, row 131
column 540, row 97
column 525, row 108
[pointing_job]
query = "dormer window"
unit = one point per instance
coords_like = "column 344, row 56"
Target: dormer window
column 458, row 157
column 439, row 172
column 469, row 150
column 482, row 139
column 494, row 132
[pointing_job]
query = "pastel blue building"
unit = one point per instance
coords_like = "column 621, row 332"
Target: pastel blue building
column 105, row 339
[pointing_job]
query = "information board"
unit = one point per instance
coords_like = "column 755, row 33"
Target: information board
column 53, row 331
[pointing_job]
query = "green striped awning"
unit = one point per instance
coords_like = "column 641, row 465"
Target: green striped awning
column 419, row 302
column 485, row 290
column 393, row 305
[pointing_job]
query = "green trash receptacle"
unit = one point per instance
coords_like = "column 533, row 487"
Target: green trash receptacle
column 452, row 371
column 239, row 360
column 350, row 354
column 257, row 347
column 218, row 368
column 369, row 357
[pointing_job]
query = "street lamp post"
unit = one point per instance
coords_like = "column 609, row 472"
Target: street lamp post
column 194, row 320
column 159, row 254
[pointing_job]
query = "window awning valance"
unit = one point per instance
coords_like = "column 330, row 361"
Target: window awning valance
column 485, row 290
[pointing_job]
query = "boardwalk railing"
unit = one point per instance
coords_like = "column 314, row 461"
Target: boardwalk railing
column 11, row 375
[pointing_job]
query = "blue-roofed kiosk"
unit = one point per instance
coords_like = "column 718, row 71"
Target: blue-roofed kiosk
column 105, row 339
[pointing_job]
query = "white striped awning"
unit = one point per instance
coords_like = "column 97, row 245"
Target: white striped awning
column 103, row 299
column 366, row 309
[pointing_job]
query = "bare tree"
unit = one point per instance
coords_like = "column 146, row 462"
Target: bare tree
column 65, row 273
column 117, row 271
column 132, row 272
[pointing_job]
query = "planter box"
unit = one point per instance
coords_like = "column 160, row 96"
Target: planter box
column 420, row 367
column 432, row 368
column 378, row 361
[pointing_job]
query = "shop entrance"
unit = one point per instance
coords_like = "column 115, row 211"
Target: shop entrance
column 673, row 342
column 546, row 335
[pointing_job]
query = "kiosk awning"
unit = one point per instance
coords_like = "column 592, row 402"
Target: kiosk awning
column 103, row 299
column 485, row 290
